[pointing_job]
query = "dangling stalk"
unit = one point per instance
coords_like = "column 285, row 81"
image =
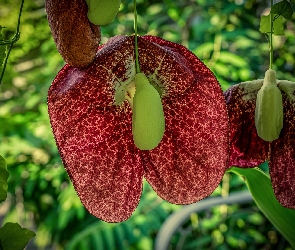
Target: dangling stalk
column 135, row 36
column 270, row 38
column 148, row 120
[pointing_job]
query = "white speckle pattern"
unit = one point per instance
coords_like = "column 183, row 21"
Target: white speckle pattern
column 249, row 150
column 94, row 136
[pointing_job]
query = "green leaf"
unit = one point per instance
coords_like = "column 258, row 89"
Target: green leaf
column 259, row 185
column 282, row 8
column 14, row 237
column 2, row 48
column 233, row 59
column 3, row 179
column 278, row 27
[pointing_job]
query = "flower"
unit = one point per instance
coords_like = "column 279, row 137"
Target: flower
column 92, row 125
column 247, row 149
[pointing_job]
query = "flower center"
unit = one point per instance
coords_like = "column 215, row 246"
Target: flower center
column 129, row 94
column 148, row 121
column 125, row 91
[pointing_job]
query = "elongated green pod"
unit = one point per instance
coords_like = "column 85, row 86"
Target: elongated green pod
column 102, row 12
column 148, row 121
column 269, row 108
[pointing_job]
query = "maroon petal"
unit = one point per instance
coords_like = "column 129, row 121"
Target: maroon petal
column 190, row 161
column 94, row 136
column 95, row 139
column 156, row 56
column 247, row 149
column 282, row 161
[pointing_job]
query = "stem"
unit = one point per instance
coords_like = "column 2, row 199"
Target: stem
column 135, row 36
column 270, row 38
column 14, row 40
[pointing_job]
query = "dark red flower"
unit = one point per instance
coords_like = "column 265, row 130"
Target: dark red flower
column 94, row 133
column 247, row 149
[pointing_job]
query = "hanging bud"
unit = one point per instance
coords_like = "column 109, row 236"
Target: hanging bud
column 269, row 108
column 148, row 121
column 102, row 12
column 75, row 37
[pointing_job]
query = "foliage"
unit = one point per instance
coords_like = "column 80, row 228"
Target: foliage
column 224, row 34
column 228, row 227
column 13, row 237
column 278, row 26
column 282, row 8
column 3, row 179
column 2, row 49
column 260, row 187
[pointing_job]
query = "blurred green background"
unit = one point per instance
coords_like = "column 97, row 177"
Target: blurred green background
column 224, row 34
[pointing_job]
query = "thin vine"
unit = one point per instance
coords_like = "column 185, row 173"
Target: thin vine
column 135, row 37
column 273, row 24
column 12, row 41
column 270, row 38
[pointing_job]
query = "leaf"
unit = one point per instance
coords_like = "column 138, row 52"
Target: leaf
column 97, row 241
column 2, row 54
column 278, row 27
column 282, row 8
column 2, row 48
column 85, row 235
column 259, row 185
column 14, row 237
column 119, row 237
column 108, row 238
column 233, row 59
column 3, row 179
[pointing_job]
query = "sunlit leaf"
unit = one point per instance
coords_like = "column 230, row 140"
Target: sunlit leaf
column 3, row 179
column 259, row 185
column 14, row 237
column 231, row 58
column 282, row 8
column 278, row 27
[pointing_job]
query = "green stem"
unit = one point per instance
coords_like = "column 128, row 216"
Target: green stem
column 270, row 38
column 135, row 36
column 14, row 40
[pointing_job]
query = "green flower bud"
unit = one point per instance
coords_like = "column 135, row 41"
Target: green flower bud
column 102, row 12
column 269, row 108
column 148, row 121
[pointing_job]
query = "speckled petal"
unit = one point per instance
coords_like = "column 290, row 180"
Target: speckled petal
column 95, row 140
column 247, row 149
column 282, row 161
column 94, row 136
column 156, row 57
column 191, row 159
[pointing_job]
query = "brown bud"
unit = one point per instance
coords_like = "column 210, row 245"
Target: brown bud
column 75, row 37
